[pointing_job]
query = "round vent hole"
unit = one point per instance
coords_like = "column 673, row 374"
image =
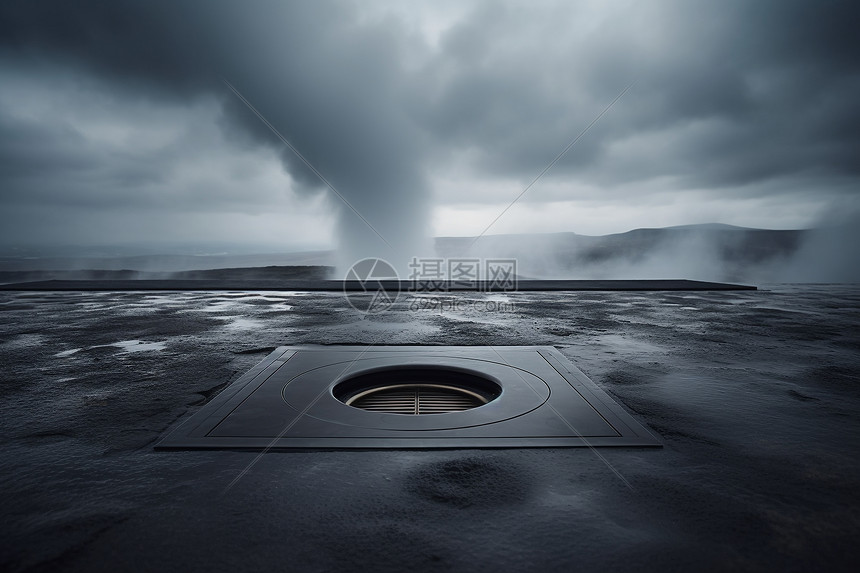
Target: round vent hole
column 416, row 391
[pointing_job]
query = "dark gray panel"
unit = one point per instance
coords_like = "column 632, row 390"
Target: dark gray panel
column 287, row 402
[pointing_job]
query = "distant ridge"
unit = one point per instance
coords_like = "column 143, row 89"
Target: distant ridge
column 258, row 274
column 713, row 251
column 166, row 262
column 690, row 227
column 714, row 227
column 710, row 252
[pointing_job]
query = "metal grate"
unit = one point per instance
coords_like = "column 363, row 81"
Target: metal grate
column 417, row 399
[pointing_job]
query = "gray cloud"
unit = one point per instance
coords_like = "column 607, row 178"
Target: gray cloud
column 734, row 93
column 733, row 99
column 331, row 86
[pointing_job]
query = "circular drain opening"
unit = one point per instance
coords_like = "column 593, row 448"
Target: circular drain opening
column 416, row 391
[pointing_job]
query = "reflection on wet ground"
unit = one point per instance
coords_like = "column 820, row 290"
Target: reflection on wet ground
column 754, row 395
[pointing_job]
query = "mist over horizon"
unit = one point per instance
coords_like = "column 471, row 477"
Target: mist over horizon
column 135, row 129
column 709, row 252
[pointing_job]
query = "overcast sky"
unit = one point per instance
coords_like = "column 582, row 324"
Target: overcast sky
column 116, row 126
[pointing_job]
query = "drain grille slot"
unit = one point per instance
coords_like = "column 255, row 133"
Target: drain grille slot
column 416, row 390
column 416, row 399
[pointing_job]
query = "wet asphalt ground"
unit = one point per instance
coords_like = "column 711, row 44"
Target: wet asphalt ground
column 754, row 395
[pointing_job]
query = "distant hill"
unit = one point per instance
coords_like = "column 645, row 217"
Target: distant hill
column 711, row 252
column 714, row 227
column 706, row 252
column 160, row 263
column 270, row 273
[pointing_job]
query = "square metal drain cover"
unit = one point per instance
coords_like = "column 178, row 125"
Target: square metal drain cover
column 410, row 397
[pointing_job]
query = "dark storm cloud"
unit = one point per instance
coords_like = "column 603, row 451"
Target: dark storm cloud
column 729, row 96
column 740, row 91
column 332, row 87
column 160, row 46
column 26, row 149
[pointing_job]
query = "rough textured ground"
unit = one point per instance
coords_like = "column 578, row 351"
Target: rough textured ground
column 755, row 395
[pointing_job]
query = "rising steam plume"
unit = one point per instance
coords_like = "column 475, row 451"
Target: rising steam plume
column 332, row 88
column 399, row 120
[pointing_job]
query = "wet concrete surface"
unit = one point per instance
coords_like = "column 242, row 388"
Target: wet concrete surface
column 753, row 393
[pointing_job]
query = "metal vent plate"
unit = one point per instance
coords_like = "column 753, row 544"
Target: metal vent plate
column 534, row 397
